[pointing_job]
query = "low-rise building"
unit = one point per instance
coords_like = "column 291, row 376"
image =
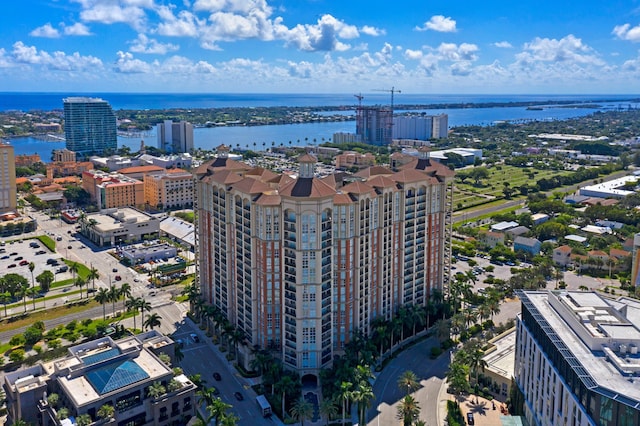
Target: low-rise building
column 145, row 253
column 179, row 231
column 528, row 245
column 491, row 238
column 500, row 359
column 114, row 227
column 25, row 160
column 64, row 156
column 104, row 372
column 562, row 255
column 354, row 159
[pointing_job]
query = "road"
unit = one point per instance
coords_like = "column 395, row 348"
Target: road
column 430, row 373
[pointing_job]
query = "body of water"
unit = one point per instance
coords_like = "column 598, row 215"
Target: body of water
column 260, row 137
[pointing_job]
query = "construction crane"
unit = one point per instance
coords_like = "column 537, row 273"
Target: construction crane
column 392, row 91
column 360, row 98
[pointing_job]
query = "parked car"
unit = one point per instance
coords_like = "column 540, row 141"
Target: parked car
column 13, row 265
column 217, row 376
column 23, row 262
column 19, row 258
column 51, row 261
column 114, row 270
column 238, row 396
column 34, row 244
column 62, row 269
column 470, row 419
column 195, row 337
column 40, row 252
column 5, row 257
column 118, row 277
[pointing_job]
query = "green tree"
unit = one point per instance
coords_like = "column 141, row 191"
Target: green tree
column 106, row 411
column 45, row 279
column 302, row 410
column 79, row 282
column 102, row 297
column 124, row 292
column 93, row 276
column 153, row 320
column 328, row 409
column 218, row 409
column 83, row 420
column 408, row 382
column 156, row 389
column 408, row 410
column 457, row 377
column 32, row 266
column 285, row 386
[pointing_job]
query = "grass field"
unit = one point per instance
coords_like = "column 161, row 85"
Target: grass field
column 467, row 194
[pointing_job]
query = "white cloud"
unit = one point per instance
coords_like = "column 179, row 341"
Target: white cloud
column 5, row 60
column 503, row 44
column 413, row 54
column 46, row 31
column 372, row 31
column 625, row 32
column 235, row 6
column 56, row 61
column 439, row 23
column 321, row 37
column 127, row 64
column 144, row 44
column 569, row 49
column 186, row 24
column 77, row 29
column 130, row 12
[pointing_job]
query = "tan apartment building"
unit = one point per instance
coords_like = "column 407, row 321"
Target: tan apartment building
column 25, row 160
column 354, row 159
column 64, row 156
column 299, row 264
column 112, row 190
column 170, row 189
column 8, row 190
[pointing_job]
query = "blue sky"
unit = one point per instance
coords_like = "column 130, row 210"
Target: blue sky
column 321, row 46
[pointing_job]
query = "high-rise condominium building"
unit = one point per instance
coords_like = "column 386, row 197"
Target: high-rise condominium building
column 577, row 360
column 175, row 137
column 374, row 124
column 89, row 125
column 8, row 200
column 300, row 263
column 422, row 127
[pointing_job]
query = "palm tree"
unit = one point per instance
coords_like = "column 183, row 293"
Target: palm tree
column 93, row 276
column 132, row 305
column 261, row 361
column 5, row 298
column 83, row 420
column 102, row 297
column 286, row 385
column 124, row 292
column 302, row 410
column 229, row 420
column 475, row 361
column 156, row 389
column 363, row 395
column 218, row 409
column 74, row 270
column 408, row 410
column 206, row 395
column 235, row 337
column 328, row 409
column 114, row 295
column 79, row 282
column 152, row 321
column 417, row 316
column 23, row 293
column 32, row 266
column 408, row 381
column 105, row 412
column 45, row 279
column 344, row 394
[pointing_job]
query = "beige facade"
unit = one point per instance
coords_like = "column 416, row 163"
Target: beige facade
column 118, row 226
column 170, row 189
column 113, row 190
column 64, row 155
column 8, row 190
column 351, row 159
column 298, row 265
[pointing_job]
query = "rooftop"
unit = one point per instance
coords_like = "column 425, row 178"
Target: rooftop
column 598, row 336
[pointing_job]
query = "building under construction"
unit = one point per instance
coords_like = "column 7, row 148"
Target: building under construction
column 374, row 124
